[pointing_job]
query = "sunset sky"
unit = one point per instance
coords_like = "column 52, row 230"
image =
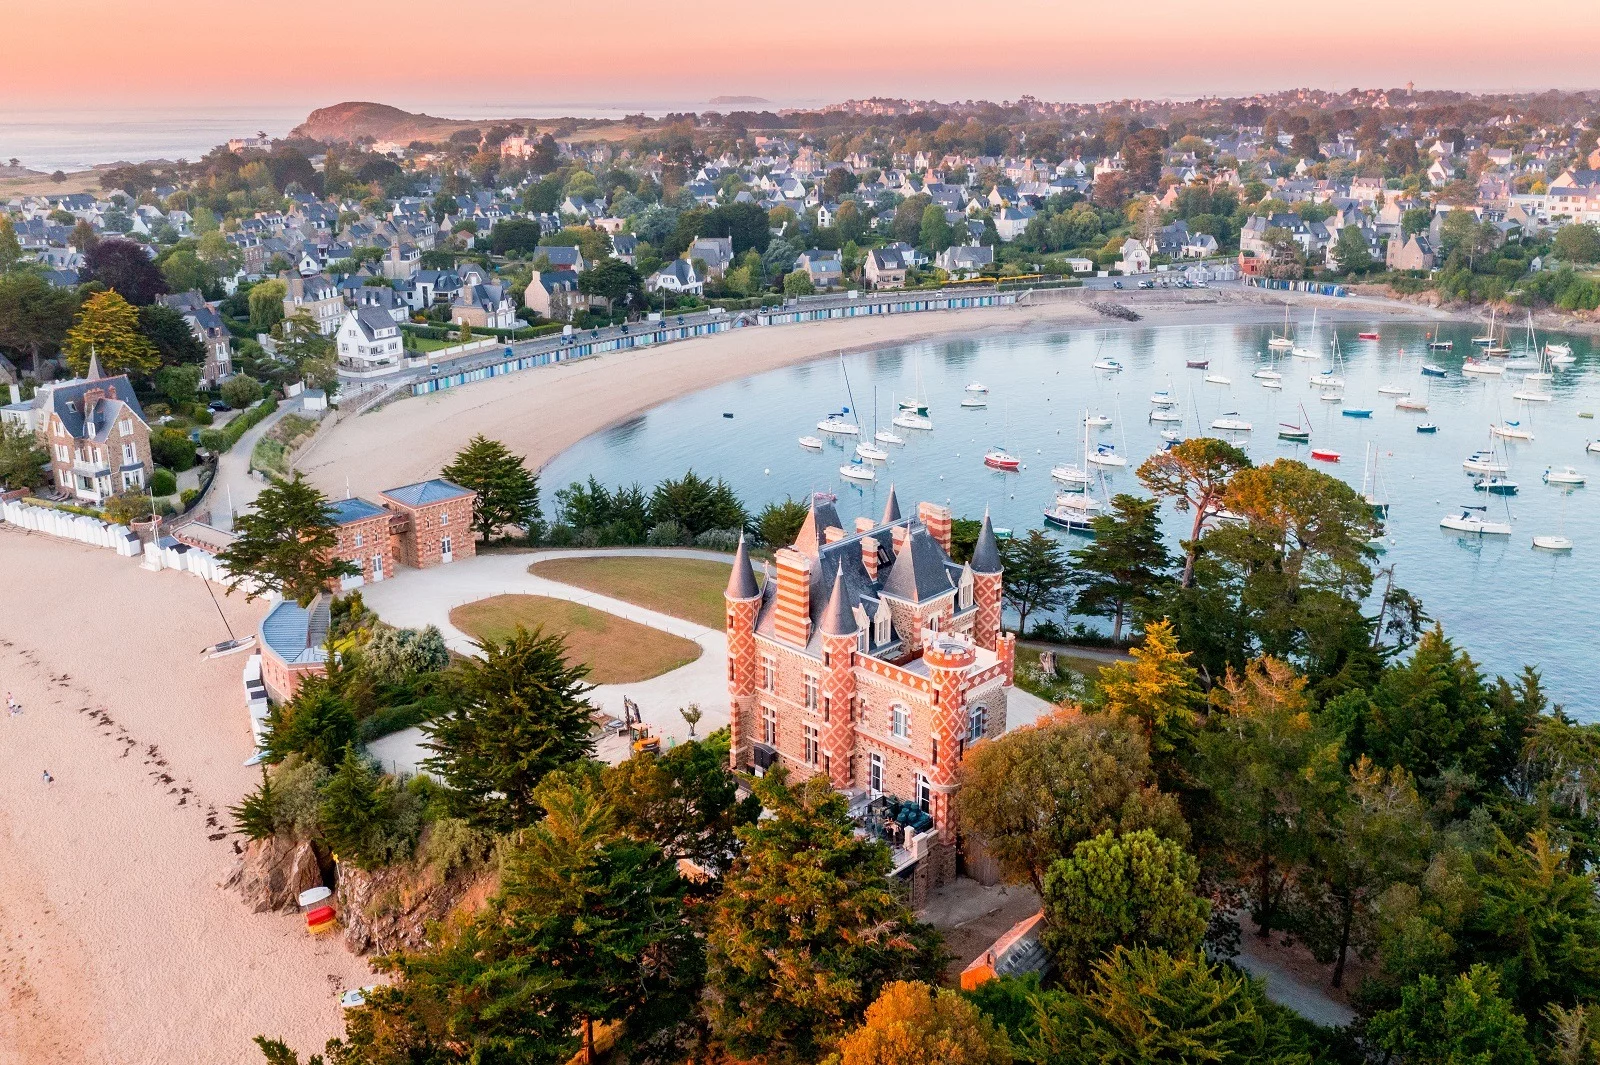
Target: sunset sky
column 491, row 53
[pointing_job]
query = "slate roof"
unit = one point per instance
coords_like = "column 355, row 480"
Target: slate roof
column 425, row 492
column 986, row 553
column 296, row 633
column 350, row 511
column 742, row 581
column 66, row 401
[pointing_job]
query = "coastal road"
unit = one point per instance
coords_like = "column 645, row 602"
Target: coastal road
column 234, row 488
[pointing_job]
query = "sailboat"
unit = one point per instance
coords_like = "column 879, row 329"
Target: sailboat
column 881, row 435
column 1075, row 513
column 1106, row 455
column 1369, row 485
column 1475, row 520
column 858, row 471
column 1298, row 432
column 1300, row 352
column 1332, row 376
column 1488, row 338
column 1232, row 423
column 918, row 403
column 1560, row 541
column 838, row 423
column 1073, row 477
column 1495, row 349
column 1510, row 430
column 1282, row 342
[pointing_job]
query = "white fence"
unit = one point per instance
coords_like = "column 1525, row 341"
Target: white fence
column 167, row 553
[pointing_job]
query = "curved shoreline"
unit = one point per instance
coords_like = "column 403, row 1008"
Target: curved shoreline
column 542, row 412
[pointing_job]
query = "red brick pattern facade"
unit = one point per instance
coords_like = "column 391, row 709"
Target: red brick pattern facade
column 431, row 528
column 986, row 593
column 369, row 545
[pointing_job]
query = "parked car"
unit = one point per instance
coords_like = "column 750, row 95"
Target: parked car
column 216, row 406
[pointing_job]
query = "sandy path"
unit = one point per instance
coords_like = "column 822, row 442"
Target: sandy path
column 116, row 944
column 539, row 413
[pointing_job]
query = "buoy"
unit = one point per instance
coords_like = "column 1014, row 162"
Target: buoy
column 767, row 471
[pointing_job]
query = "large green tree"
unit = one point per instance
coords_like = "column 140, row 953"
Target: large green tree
column 1465, row 1021
column 285, row 544
column 1035, row 793
column 1125, row 563
column 22, row 460
column 508, row 492
column 1194, row 474
column 34, row 316
column 1036, row 576
column 808, row 928
column 108, row 328
column 1135, row 890
column 517, row 713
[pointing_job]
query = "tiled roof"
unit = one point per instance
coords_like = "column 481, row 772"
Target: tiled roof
column 424, row 492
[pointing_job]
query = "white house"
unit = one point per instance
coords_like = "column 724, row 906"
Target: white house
column 677, row 276
column 1135, row 259
column 369, row 343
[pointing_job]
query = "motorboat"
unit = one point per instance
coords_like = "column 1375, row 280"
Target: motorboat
column 1563, row 475
column 1510, row 431
column 1111, row 365
column 1551, row 348
column 1530, row 395
column 1097, row 421
column 1430, row 370
column 1496, row 486
column 1552, row 543
column 1072, row 476
column 1106, row 455
column 858, row 471
column 974, row 401
column 1592, row 447
column 871, row 452
column 839, row 425
column 1162, row 399
column 884, row 436
column 1171, row 436
column 978, row 389
column 1197, row 364
column 1427, row 427
column 1165, row 415
column 813, row 443
column 1411, row 404
column 1267, row 375
column 1474, row 520
column 914, row 406
column 1276, row 386
column 1369, row 335
column 1484, row 462
column 908, row 419
column 1218, row 379
column 1482, row 369
column 1231, row 422
column 1441, row 345
column 1393, row 390
column 1357, row 412
column 1325, row 454
column 1075, row 513
column 998, row 458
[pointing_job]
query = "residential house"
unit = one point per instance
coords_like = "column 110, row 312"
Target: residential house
column 963, row 259
column 292, row 639
column 482, row 302
column 715, row 252
column 562, row 257
column 1411, row 252
column 363, row 535
column 1011, row 222
column 208, row 328
column 625, row 246
column 553, row 294
column 1135, row 258
column 436, row 522
column 317, row 296
column 94, row 432
column 885, row 269
column 369, row 344
column 678, row 277
column 873, row 661
column 824, row 267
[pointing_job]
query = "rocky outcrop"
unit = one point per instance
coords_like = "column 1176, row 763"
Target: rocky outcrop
column 390, row 909
column 348, row 122
column 271, row 873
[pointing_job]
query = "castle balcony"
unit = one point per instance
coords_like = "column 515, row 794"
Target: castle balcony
column 903, row 825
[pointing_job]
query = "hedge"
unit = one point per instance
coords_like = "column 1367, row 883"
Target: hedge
column 434, row 332
column 229, row 434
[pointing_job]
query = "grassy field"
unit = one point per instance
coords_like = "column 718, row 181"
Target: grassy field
column 1068, row 665
column 616, row 651
column 687, row 588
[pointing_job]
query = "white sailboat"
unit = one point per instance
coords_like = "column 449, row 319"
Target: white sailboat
column 858, row 471
column 1563, row 475
column 918, row 403
column 1073, row 477
column 1232, row 423
column 1301, row 352
column 1282, row 342
column 880, row 434
column 1510, row 430
column 1488, row 338
column 1560, row 541
column 1475, row 521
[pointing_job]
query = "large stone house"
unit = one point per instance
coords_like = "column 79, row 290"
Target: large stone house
column 1411, row 252
column 95, row 433
column 317, row 296
column 871, row 659
column 208, row 328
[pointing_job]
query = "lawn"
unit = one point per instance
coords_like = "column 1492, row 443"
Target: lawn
column 687, row 588
column 617, row 651
column 1072, row 670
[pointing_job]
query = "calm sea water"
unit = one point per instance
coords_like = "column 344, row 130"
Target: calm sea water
column 1505, row 601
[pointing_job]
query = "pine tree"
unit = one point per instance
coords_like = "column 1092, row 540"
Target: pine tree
column 1157, row 688
column 1125, row 563
column 21, row 458
column 256, row 816
column 285, row 545
column 1035, row 577
column 518, row 712
column 108, row 327
column 354, row 813
column 508, row 494
column 808, row 928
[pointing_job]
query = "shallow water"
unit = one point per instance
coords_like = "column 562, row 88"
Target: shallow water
column 1503, row 600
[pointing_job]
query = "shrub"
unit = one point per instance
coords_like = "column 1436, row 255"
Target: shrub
column 187, row 497
column 450, row 845
column 163, row 482
column 240, row 391
column 718, row 539
column 172, row 448
column 667, row 534
column 393, row 655
column 214, row 440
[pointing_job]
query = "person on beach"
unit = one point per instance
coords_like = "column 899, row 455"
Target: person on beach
column 47, row 777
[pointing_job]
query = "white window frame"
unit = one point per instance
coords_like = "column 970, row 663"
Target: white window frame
column 813, row 745
column 769, row 673
column 977, row 722
column 924, row 793
column 875, row 773
column 769, row 725
column 899, row 722
column 810, row 690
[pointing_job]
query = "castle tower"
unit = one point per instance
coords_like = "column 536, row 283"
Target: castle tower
column 948, row 657
column 986, row 570
column 743, row 599
column 839, row 642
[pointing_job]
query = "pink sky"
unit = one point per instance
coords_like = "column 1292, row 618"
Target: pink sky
column 120, row 53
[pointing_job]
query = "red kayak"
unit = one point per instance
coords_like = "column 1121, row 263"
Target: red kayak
column 1324, row 454
column 1367, row 336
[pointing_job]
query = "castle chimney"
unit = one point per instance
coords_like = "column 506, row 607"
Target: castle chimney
column 864, row 524
column 832, row 534
column 902, row 539
column 869, row 555
column 792, row 614
column 936, row 519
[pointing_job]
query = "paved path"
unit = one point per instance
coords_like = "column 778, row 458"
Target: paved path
column 425, row 597
column 235, row 489
column 1288, row 989
column 418, row 598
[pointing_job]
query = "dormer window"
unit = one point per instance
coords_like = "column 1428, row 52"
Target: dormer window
column 964, row 590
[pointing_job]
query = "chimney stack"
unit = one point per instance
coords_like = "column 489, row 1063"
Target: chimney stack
column 936, row 519
column 792, row 617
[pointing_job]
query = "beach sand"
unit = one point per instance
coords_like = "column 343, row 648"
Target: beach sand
column 540, row 413
column 117, row 945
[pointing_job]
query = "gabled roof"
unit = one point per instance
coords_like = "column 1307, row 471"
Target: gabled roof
column 423, row 493
column 350, row 511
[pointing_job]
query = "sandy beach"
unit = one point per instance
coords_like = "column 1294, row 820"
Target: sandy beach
column 542, row 412
column 116, row 944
